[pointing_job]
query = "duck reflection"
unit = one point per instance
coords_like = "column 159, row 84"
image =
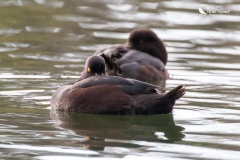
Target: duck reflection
column 98, row 128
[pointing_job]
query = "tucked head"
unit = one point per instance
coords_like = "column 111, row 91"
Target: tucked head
column 147, row 41
column 95, row 65
column 140, row 36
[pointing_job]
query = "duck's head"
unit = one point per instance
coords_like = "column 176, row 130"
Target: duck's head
column 95, row 65
column 146, row 40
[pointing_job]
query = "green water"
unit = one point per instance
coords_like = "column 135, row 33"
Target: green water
column 43, row 44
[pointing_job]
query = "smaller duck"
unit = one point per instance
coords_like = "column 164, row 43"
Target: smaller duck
column 97, row 93
column 143, row 57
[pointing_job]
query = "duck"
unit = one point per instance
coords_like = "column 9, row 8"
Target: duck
column 142, row 57
column 95, row 92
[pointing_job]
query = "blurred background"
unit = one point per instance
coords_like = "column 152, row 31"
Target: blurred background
column 44, row 44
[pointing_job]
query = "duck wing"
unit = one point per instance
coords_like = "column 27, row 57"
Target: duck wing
column 100, row 99
column 142, row 58
column 130, row 86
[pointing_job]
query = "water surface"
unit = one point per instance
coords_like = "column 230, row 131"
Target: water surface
column 44, row 44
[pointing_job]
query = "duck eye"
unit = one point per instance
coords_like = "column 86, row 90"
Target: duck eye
column 88, row 70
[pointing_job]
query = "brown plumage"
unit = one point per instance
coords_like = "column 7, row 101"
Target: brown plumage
column 98, row 93
column 143, row 53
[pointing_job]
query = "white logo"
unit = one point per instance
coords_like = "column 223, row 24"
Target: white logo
column 218, row 10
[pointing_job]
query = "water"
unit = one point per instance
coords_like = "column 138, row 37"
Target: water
column 44, row 44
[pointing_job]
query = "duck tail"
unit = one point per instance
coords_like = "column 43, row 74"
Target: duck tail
column 158, row 103
column 175, row 93
column 168, row 100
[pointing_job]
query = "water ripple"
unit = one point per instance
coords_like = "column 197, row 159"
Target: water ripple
column 10, row 31
column 16, row 44
column 6, row 49
column 49, row 149
column 42, row 29
column 74, row 18
column 130, row 157
column 64, row 58
column 18, row 92
column 14, row 76
column 120, row 7
column 190, row 34
column 108, row 25
column 110, row 35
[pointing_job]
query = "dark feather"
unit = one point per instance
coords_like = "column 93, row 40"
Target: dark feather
column 136, row 59
column 112, row 95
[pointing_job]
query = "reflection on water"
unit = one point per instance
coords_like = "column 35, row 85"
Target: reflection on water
column 97, row 128
column 44, row 44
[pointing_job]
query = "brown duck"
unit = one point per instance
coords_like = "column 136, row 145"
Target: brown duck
column 97, row 93
column 143, row 57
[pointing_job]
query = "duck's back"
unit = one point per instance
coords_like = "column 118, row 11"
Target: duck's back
column 114, row 95
column 130, row 63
